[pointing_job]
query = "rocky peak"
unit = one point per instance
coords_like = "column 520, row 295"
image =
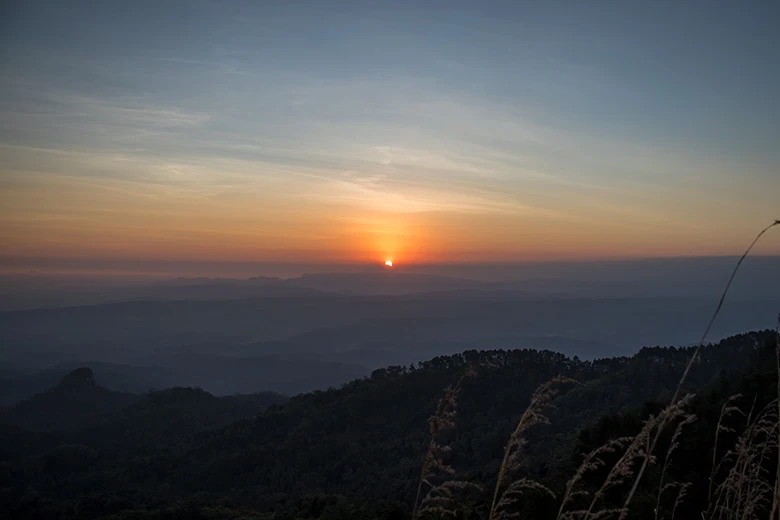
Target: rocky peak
column 80, row 378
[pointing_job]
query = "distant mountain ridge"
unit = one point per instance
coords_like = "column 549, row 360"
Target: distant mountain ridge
column 296, row 344
column 17, row 384
column 604, row 279
column 77, row 401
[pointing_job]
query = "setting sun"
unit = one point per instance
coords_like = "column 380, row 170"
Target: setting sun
column 389, row 263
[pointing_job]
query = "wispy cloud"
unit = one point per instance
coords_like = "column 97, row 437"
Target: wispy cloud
column 248, row 125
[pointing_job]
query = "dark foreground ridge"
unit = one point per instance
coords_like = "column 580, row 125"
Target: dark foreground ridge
column 356, row 451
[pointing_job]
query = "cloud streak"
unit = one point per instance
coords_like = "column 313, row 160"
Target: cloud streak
column 283, row 125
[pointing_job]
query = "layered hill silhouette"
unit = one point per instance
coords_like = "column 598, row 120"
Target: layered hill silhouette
column 680, row 277
column 77, row 402
column 178, row 451
column 18, row 385
column 299, row 344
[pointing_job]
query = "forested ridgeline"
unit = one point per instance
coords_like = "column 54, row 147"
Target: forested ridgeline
column 357, row 451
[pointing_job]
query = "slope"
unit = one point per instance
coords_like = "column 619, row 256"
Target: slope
column 366, row 439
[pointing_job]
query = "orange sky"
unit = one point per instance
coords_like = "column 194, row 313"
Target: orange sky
column 376, row 135
column 73, row 218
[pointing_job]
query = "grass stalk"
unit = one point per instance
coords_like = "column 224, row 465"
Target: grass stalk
column 776, row 495
column 676, row 395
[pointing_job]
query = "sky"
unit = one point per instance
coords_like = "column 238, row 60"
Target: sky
column 356, row 132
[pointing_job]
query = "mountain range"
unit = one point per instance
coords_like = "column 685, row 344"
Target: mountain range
column 293, row 344
column 79, row 450
column 670, row 277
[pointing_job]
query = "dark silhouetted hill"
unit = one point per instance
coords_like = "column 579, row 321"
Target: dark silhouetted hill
column 76, row 400
column 364, row 441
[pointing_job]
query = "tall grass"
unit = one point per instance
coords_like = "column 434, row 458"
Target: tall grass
column 728, row 408
column 776, row 497
column 664, row 486
column 651, row 433
column 591, row 462
column 439, row 498
column 533, row 415
column 746, row 489
column 719, row 307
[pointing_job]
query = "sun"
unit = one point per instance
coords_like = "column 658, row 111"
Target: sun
column 388, row 263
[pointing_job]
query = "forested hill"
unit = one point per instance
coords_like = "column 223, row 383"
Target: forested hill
column 78, row 410
column 363, row 442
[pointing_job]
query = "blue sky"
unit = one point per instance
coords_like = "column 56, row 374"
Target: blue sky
column 353, row 130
